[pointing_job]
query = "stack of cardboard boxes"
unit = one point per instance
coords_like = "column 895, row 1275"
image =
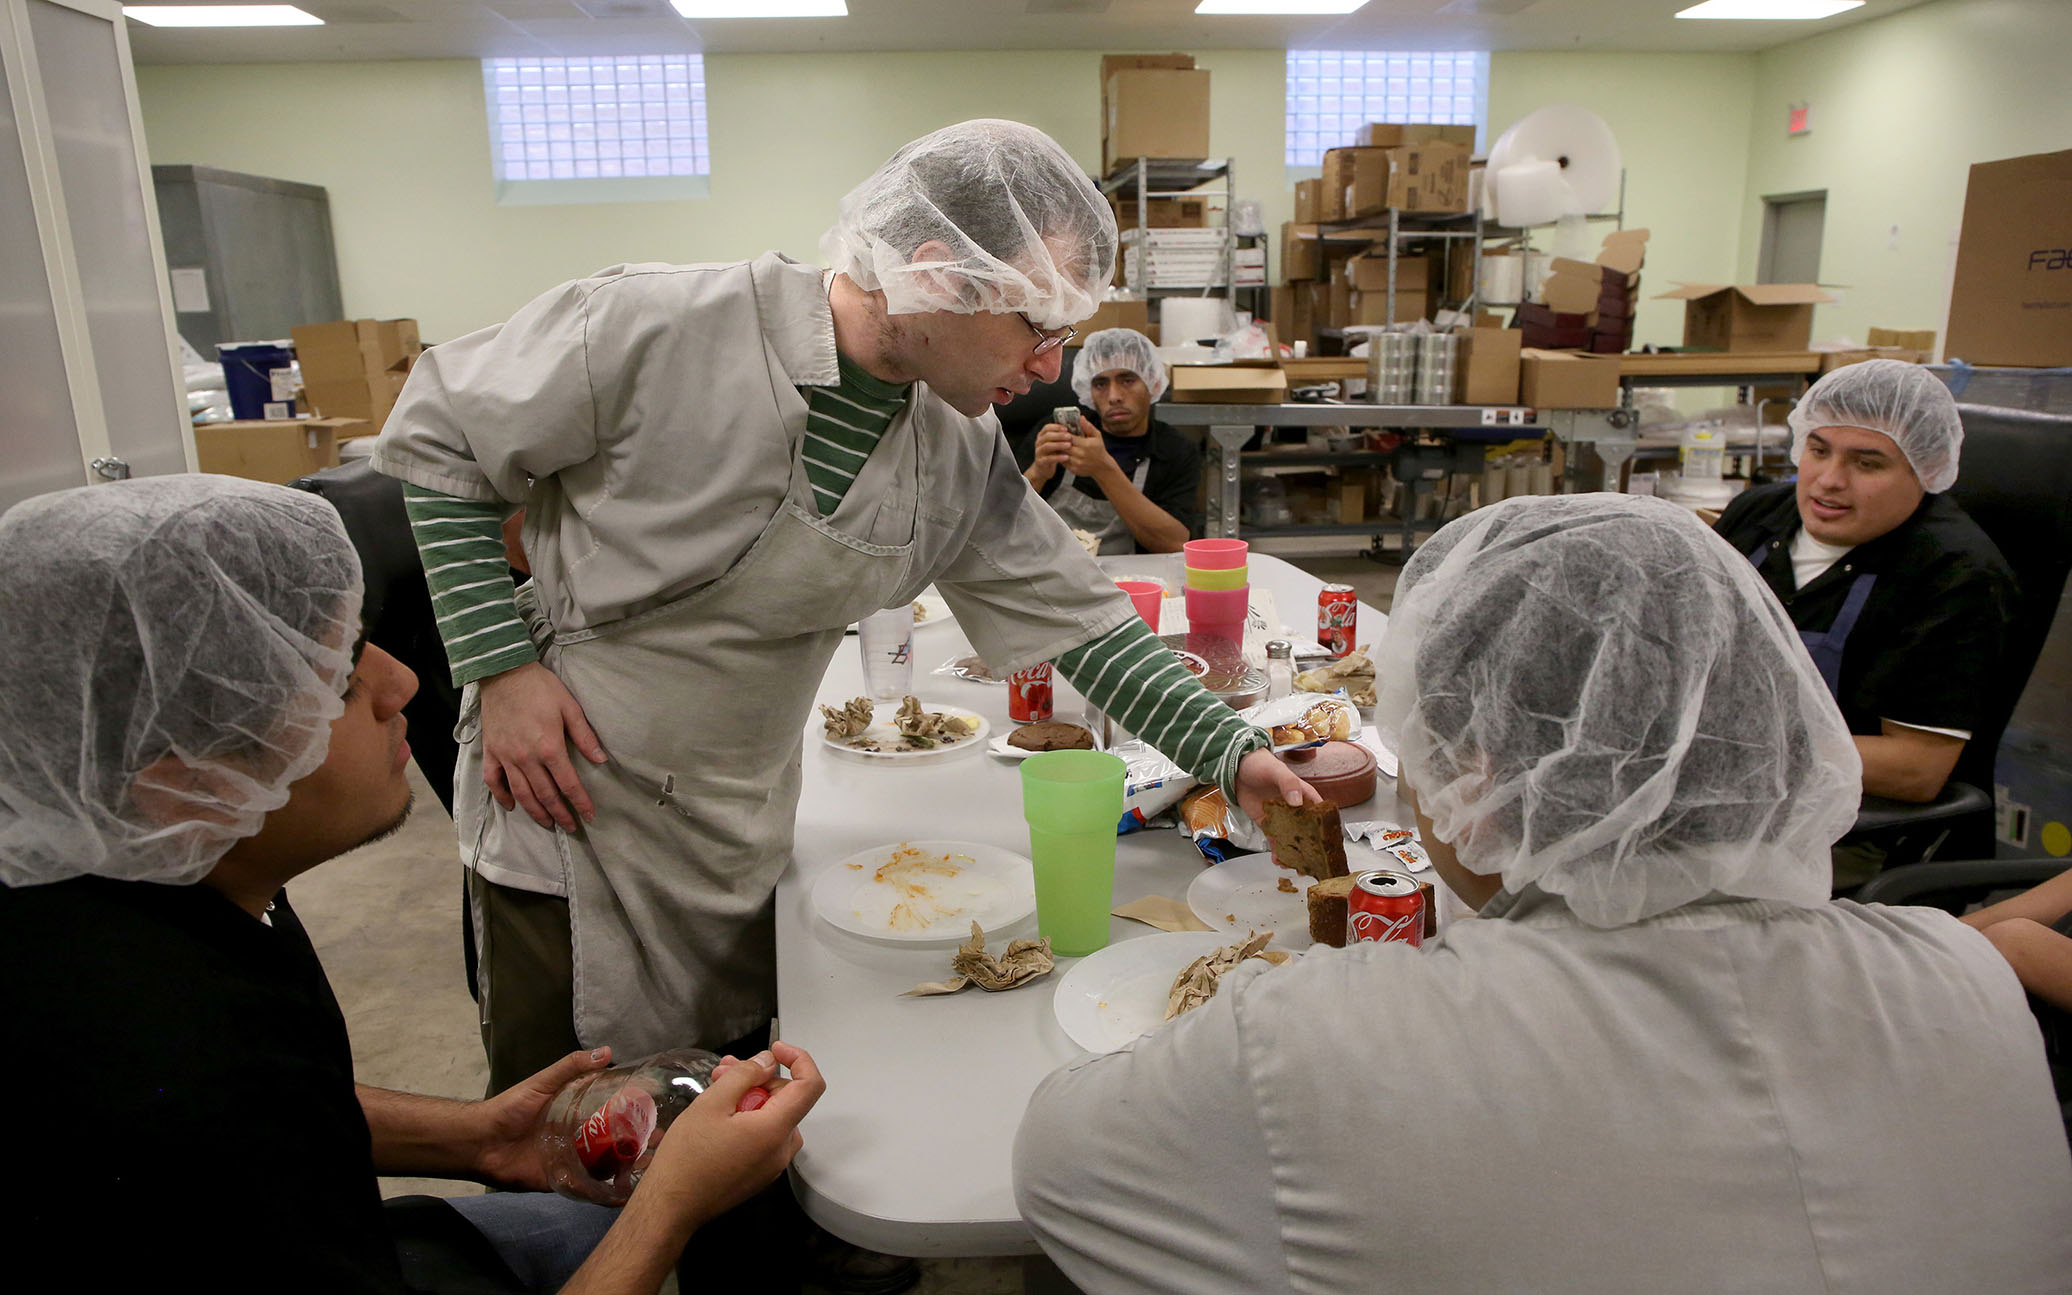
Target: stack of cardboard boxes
column 1589, row 305
column 355, row 368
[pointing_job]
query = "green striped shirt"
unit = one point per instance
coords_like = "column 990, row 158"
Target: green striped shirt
column 843, row 425
column 461, row 544
column 1137, row 681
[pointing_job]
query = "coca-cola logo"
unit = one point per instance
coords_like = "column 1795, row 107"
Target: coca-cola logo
column 1381, row 926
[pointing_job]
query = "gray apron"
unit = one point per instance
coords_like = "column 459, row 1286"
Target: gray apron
column 1083, row 512
column 701, row 703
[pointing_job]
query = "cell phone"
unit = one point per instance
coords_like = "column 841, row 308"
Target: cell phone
column 1067, row 416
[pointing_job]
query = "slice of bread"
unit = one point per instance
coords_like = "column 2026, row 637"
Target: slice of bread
column 1307, row 839
column 1327, row 910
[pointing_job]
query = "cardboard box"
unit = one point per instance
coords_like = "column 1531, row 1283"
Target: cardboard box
column 1487, row 373
column 1119, row 314
column 1337, row 180
column 1551, row 330
column 1301, row 254
column 1428, row 178
column 1748, row 316
column 1154, row 112
column 1369, row 272
column 355, row 368
column 1163, row 213
column 1366, row 182
column 1565, row 380
column 1227, row 384
column 1353, row 484
column 277, row 452
column 2011, row 300
column 1381, row 134
column 1308, row 199
column 1909, row 339
column 1291, row 316
column 1373, row 307
column 1338, row 305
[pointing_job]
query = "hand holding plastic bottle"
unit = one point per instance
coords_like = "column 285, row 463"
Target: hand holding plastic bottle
column 716, row 1155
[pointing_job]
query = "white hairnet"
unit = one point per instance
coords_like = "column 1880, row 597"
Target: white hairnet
column 1022, row 226
column 1597, row 695
column 1117, row 348
column 176, row 649
column 1904, row 401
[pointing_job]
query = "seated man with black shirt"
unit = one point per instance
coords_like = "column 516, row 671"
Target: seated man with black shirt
column 1899, row 596
column 1135, row 482
column 189, row 718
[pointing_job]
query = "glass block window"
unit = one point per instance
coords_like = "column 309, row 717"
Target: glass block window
column 597, row 118
column 1333, row 92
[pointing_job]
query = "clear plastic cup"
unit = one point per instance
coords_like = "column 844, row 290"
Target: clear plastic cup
column 886, row 640
column 1073, row 803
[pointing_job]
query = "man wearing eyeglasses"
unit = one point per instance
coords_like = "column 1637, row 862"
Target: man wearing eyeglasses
column 721, row 467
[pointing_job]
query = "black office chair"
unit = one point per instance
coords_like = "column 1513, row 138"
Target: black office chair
column 2015, row 478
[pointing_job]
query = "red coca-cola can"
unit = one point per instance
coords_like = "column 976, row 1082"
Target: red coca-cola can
column 1385, row 906
column 1338, row 618
column 1028, row 694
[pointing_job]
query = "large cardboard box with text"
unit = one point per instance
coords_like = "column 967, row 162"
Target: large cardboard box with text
column 2011, row 300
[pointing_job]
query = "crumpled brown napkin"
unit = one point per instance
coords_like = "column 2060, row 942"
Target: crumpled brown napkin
column 1163, row 912
column 1197, row 983
column 1024, row 961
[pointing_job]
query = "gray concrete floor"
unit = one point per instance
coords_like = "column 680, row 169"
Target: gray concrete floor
column 386, row 922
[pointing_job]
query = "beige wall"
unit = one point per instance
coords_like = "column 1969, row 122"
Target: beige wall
column 1682, row 125
column 403, row 150
column 1901, row 108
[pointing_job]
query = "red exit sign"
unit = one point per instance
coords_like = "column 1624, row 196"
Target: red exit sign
column 1798, row 119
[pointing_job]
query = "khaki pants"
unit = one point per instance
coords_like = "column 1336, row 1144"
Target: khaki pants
column 527, row 978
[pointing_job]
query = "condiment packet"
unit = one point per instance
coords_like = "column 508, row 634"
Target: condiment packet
column 1024, row 961
column 1151, row 784
column 1398, row 845
column 1164, row 913
column 1304, row 719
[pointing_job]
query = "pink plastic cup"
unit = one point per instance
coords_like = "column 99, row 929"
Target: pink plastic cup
column 1220, row 612
column 1147, row 596
column 1216, row 555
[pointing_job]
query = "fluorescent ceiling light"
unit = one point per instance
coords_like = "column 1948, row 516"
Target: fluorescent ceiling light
column 1756, row 10
column 221, row 15
column 1277, row 6
column 761, row 8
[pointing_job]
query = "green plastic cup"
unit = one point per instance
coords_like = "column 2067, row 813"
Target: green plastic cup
column 1073, row 803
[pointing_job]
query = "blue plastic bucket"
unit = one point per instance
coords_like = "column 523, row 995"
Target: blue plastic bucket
column 248, row 369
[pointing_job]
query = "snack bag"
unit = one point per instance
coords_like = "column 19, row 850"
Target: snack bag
column 1302, row 719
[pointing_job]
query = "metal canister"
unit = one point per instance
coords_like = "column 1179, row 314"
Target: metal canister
column 1338, row 618
column 1437, row 356
column 1067, row 417
column 1385, row 906
column 1280, row 669
column 1029, row 694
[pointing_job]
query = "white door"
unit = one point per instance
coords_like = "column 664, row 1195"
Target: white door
column 89, row 371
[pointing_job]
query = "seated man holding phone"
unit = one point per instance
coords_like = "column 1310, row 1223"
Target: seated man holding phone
column 1128, row 479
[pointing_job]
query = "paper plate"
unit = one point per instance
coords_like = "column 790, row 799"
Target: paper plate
column 1242, row 895
column 1119, row 994
column 888, row 737
column 998, row 746
column 926, row 891
column 930, row 608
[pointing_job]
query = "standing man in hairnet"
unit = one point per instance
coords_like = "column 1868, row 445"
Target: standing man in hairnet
column 1899, row 596
column 722, row 466
column 1615, row 1078
column 1130, row 480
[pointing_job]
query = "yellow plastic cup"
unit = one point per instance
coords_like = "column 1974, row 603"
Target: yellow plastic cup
column 1072, row 801
column 1218, row 580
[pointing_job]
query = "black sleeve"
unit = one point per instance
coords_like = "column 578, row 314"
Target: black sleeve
column 1939, row 657
column 1174, row 482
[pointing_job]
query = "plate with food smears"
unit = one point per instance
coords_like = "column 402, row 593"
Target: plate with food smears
column 926, row 891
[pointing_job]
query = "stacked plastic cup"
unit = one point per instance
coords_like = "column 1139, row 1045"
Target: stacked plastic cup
column 1218, row 588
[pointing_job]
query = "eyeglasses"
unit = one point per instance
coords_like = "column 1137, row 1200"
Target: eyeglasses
column 1047, row 341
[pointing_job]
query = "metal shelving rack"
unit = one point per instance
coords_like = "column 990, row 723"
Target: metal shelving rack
column 1146, row 178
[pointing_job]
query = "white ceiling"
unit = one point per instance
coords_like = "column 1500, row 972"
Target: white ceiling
column 407, row 29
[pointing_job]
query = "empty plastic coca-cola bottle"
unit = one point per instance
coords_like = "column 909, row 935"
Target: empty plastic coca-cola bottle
column 600, row 1132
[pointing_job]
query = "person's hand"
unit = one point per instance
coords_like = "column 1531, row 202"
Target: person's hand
column 1089, row 458
column 529, row 720
column 509, row 1155
column 713, row 1157
column 1262, row 777
column 1053, row 446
